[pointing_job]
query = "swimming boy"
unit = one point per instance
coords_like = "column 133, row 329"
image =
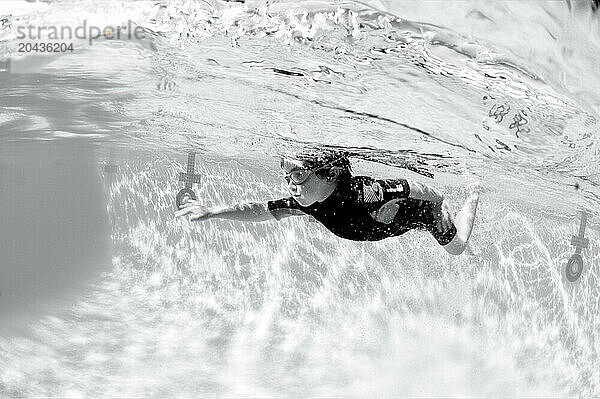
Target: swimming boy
column 357, row 208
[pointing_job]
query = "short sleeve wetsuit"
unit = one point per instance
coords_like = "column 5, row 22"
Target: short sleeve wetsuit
column 347, row 211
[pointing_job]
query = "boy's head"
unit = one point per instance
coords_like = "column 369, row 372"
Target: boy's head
column 312, row 176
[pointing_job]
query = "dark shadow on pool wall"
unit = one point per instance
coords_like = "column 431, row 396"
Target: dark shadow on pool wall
column 54, row 234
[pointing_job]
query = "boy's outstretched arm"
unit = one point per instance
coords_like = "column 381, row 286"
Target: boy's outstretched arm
column 249, row 212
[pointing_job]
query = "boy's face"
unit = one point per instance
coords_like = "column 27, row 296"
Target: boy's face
column 313, row 189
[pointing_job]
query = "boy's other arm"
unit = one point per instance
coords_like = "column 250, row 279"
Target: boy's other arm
column 399, row 188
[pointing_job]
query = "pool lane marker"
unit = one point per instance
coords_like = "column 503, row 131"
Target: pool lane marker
column 575, row 265
column 190, row 177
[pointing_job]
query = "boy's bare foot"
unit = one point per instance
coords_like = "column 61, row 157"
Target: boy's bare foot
column 464, row 221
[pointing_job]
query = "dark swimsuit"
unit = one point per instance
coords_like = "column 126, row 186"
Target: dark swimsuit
column 346, row 212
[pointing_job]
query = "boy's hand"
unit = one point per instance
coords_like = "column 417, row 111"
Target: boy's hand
column 387, row 212
column 194, row 210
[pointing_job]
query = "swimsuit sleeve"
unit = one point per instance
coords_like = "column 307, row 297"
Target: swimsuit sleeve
column 285, row 207
column 374, row 193
column 394, row 189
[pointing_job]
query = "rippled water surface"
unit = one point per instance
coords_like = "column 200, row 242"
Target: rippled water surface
column 104, row 294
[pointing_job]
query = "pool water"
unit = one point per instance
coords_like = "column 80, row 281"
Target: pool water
column 103, row 293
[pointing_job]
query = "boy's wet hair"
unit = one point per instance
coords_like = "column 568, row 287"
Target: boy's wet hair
column 319, row 158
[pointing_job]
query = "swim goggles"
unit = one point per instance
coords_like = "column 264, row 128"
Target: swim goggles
column 299, row 176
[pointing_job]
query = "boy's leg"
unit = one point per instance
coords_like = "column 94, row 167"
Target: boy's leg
column 464, row 223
